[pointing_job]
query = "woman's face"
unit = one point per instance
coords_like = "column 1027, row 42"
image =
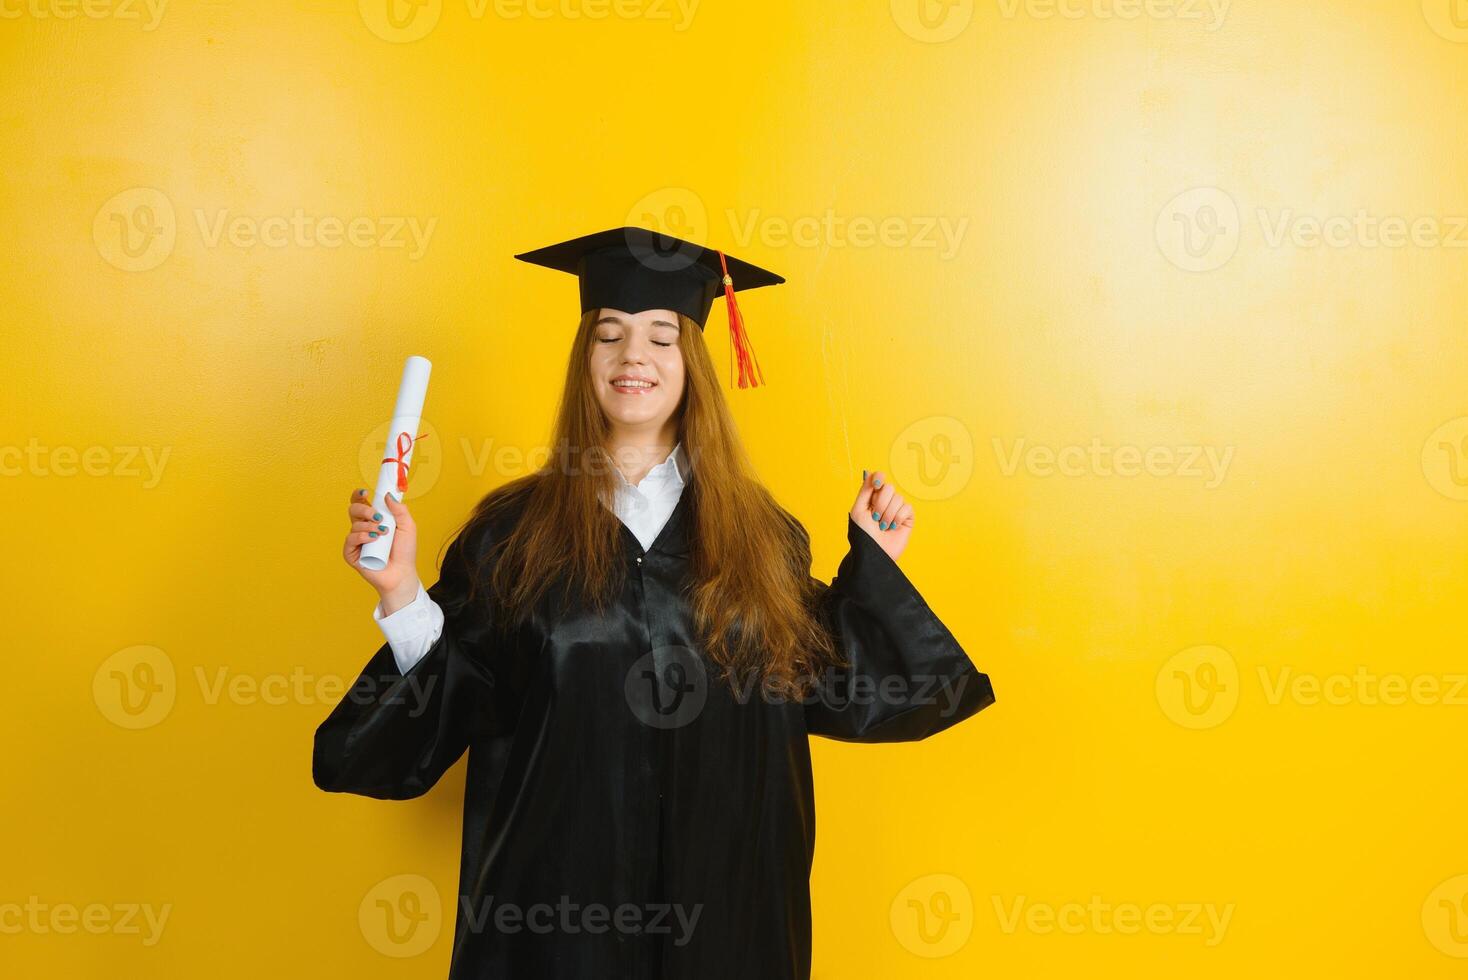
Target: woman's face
column 637, row 367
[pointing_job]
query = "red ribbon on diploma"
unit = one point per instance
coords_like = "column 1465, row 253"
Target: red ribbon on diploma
column 403, row 449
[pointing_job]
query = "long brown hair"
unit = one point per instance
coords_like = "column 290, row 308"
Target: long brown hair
column 750, row 587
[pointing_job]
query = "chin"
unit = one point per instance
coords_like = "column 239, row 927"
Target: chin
column 633, row 414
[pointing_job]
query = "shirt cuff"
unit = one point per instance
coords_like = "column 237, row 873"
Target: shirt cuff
column 411, row 630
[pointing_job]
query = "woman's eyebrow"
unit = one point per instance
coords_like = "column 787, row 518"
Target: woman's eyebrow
column 618, row 321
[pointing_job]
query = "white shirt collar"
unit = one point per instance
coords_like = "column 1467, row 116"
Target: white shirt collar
column 670, row 475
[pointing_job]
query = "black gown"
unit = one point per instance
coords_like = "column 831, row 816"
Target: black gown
column 626, row 814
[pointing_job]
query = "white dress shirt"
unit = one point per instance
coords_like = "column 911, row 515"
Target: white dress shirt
column 412, row 630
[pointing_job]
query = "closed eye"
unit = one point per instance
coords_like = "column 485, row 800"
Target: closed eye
column 613, row 340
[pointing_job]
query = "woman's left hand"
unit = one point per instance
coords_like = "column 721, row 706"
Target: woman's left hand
column 881, row 512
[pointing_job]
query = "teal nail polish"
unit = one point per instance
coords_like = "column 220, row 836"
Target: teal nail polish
column 884, row 526
column 863, row 475
column 372, row 534
column 382, row 527
column 876, row 516
column 877, row 482
column 377, row 517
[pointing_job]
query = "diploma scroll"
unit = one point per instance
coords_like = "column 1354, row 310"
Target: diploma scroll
column 402, row 433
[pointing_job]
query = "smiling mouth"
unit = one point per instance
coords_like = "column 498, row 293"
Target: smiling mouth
column 634, row 387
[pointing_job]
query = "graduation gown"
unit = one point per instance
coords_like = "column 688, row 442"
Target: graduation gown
column 627, row 814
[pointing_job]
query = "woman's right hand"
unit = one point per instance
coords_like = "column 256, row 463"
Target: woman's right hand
column 397, row 584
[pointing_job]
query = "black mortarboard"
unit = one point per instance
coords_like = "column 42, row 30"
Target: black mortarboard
column 633, row 269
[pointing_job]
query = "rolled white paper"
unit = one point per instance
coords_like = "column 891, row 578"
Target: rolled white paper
column 406, row 415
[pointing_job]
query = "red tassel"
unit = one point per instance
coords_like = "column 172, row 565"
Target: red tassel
column 739, row 344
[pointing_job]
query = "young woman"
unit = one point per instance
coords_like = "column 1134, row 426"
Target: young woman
column 631, row 647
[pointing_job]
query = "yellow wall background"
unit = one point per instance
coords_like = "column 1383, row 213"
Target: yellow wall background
column 1229, row 734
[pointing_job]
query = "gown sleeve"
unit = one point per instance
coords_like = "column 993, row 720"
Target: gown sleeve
column 907, row 677
column 393, row 734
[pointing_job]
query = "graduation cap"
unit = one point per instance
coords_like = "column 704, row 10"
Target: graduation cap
column 634, row 269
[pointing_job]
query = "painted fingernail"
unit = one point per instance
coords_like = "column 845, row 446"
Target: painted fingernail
column 877, row 482
column 863, row 475
column 382, row 527
column 360, row 492
column 391, row 497
column 377, row 517
column 372, row 534
column 876, row 516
